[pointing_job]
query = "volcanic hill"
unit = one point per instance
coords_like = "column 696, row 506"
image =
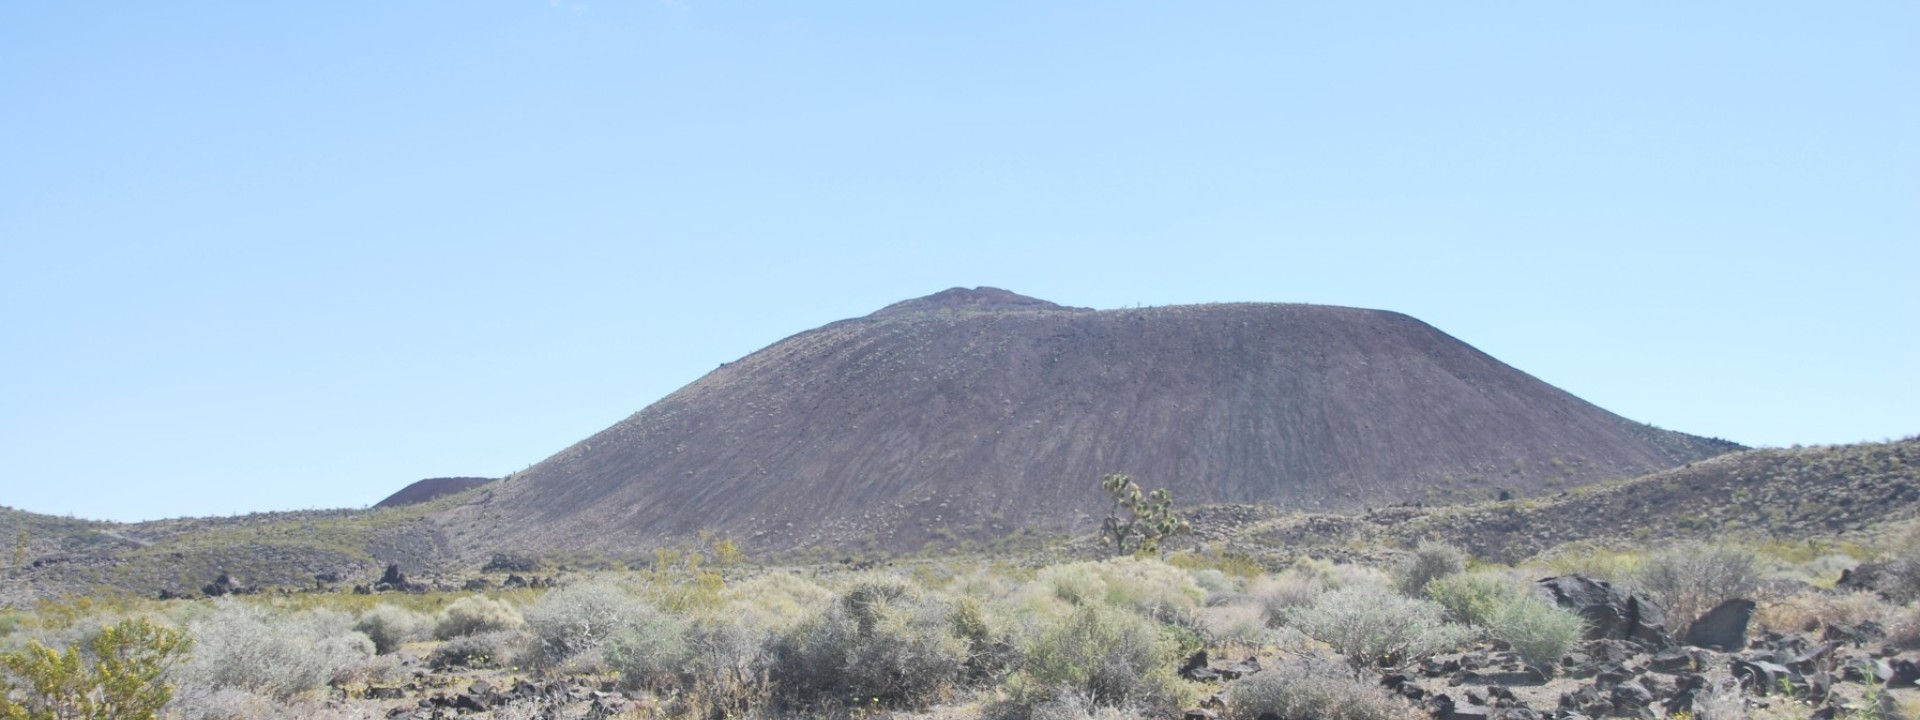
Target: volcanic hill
column 969, row 414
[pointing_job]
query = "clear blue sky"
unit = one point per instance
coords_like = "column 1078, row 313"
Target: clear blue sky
column 256, row 256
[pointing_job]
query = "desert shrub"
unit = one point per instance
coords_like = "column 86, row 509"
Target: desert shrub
column 1240, row 624
column 1150, row 587
column 1904, row 564
column 882, row 640
column 476, row 614
column 651, row 651
column 119, row 673
column 390, row 627
column 202, row 703
column 482, row 650
column 1075, row 706
column 251, row 648
column 1215, row 584
column 1472, row 598
column 1903, row 627
column 1429, row 562
column 1278, row 594
column 1312, row 687
column 1335, row 576
column 1808, row 611
column 1691, row 578
column 572, row 622
column 1374, row 625
column 1539, row 632
column 1110, row 656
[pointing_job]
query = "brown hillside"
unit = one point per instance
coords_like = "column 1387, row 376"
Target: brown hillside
column 430, row 488
column 971, row 412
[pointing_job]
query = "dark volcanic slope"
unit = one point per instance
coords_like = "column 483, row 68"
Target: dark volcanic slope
column 430, row 488
column 970, row 412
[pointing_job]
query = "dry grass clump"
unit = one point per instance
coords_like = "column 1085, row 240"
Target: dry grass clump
column 475, row 614
column 482, row 650
column 1903, row 627
column 1811, row 611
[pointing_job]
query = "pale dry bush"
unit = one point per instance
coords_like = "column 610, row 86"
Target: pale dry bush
column 246, row 647
column 1372, row 625
column 389, row 627
column 204, row 703
column 1313, row 687
column 773, row 601
column 1691, row 578
column 883, row 638
column 571, row 623
column 1078, row 706
column 499, row 648
column 1813, row 610
column 475, row 614
column 1341, row 575
column 1903, row 626
column 1278, row 594
column 1243, row 624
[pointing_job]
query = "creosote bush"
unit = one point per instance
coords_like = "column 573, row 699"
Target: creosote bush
column 1691, row 578
column 571, row 623
column 246, row 647
column 1374, row 626
column 1429, row 562
column 1539, row 632
column 475, row 614
column 1312, row 687
column 390, row 627
column 882, row 640
column 1110, row 656
column 1472, row 598
column 483, row 650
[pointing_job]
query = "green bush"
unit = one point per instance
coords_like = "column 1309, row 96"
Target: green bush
column 1429, row 562
column 475, row 614
column 390, row 627
column 1372, row 625
column 1472, row 598
column 1112, row 657
column 1310, row 687
column 1691, row 578
column 882, row 640
column 118, row 675
column 1539, row 632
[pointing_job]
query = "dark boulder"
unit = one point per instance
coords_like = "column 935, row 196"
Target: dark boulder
column 226, row 585
column 1723, row 628
column 1609, row 611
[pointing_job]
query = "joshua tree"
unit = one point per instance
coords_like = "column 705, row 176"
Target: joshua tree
column 1138, row 522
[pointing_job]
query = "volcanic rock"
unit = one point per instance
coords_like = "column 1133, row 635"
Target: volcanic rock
column 971, row 414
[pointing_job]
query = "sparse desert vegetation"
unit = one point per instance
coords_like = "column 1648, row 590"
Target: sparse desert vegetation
column 1130, row 637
